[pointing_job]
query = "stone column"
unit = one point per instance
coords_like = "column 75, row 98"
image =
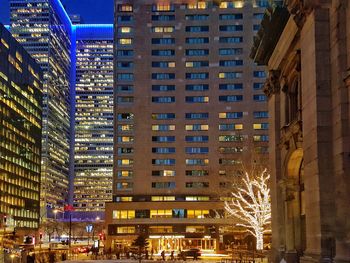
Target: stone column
column 317, row 132
column 272, row 90
column 340, row 61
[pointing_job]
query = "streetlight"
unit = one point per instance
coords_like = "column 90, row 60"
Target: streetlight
column 55, row 211
column 93, row 230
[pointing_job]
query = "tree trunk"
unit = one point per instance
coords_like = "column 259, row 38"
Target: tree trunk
column 259, row 241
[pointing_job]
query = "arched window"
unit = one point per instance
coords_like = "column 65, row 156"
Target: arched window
column 292, row 101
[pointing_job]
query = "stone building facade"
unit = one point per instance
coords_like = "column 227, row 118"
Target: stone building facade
column 308, row 59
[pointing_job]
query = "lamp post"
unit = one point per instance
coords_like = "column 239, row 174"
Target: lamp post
column 93, row 230
column 89, row 228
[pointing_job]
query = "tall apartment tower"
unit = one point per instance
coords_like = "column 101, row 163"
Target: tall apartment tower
column 20, row 138
column 44, row 30
column 93, row 159
column 188, row 108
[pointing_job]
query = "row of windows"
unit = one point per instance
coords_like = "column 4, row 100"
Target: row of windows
column 194, row 115
column 126, row 174
column 198, row 127
column 190, row 17
column 167, row 7
column 171, row 127
column 205, row 99
column 190, row 87
column 167, row 198
column 189, row 52
column 162, row 213
column 172, row 185
column 187, row 161
column 198, row 115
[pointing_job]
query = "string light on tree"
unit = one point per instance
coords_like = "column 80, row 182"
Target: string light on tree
column 251, row 205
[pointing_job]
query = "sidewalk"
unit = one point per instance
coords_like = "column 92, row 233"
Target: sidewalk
column 154, row 261
column 134, row 261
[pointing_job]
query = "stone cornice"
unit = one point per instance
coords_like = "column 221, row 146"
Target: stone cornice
column 267, row 37
column 288, row 35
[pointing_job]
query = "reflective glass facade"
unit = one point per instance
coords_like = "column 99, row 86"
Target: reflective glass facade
column 93, row 157
column 20, row 134
column 44, row 30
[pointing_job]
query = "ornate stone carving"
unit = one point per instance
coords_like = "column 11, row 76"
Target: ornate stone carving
column 299, row 9
column 292, row 135
column 272, row 84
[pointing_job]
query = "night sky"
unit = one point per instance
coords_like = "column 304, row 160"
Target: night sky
column 92, row 11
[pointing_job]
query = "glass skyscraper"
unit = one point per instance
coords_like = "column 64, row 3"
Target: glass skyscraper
column 20, row 137
column 77, row 61
column 93, row 159
column 45, row 31
column 189, row 108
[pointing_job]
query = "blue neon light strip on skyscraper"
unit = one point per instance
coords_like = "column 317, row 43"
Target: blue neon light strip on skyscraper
column 94, row 31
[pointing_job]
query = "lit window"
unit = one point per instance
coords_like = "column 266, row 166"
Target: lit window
column 162, row 198
column 168, row 213
column 125, row 8
column 126, row 230
column 163, row 127
column 260, row 126
column 230, row 115
column 125, row 139
column 260, row 138
column 163, row 29
column 123, row 214
column 124, row 173
column 197, row 127
column 125, row 41
column 197, row 213
column 18, row 56
column 125, row 29
column 5, row 43
column 123, row 198
column 163, row 7
column 230, row 75
column 235, row 4
column 124, row 186
column 197, row 161
column 198, row 5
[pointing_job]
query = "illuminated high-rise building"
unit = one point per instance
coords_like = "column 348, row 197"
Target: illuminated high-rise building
column 45, row 31
column 78, row 69
column 189, row 107
column 20, row 136
column 93, row 158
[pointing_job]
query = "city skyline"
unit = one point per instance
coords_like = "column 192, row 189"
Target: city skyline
column 205, row 128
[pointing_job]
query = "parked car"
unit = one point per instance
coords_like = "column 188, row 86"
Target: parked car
column 192, row 252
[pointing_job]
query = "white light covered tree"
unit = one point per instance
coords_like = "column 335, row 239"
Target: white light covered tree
column 251, row 205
